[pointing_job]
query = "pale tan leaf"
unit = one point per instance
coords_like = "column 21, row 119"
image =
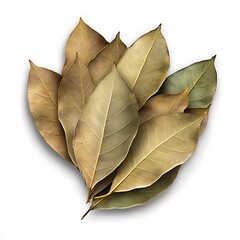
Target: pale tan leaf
column 74, row 91
column 102, row 64
column 106, row 129
column 42, row 98
column 86, row 42
column 145, row 64
column 163, row 104
column 162, row 143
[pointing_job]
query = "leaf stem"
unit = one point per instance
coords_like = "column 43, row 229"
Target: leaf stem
column 85, row 214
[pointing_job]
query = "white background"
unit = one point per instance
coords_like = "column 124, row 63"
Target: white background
column 43, row 197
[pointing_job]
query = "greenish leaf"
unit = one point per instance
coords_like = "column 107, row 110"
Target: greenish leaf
column 201, row 80
column 136, row 197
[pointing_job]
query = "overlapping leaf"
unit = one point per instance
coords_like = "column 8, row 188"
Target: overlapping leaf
column 162, row 104
column 136, row 197
column 100, row 107
column 106, row 129
column 103, row 62
column 162, row 143
column 102, row 185
column 74, row 91
column 86, row 42
column 145, row 64
column 43, row 100
column 199, row 78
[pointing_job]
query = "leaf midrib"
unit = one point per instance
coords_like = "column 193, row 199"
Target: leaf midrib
column 102, row 137
column 158, row 145
column 144, row 62
column 39, row 76
column 194, row 84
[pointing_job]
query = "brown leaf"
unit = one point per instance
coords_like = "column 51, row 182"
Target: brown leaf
column 162, row 104
column 103, row 62
column 74, row 91
column 86, row 42
column 42, row 98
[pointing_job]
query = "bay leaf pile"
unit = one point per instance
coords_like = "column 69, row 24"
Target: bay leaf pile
column 116, row 116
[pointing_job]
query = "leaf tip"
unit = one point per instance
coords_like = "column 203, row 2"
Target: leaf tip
column 31, row 64
column 118, row 35
column 81, row 23
column 214, row 57
column 81, row 20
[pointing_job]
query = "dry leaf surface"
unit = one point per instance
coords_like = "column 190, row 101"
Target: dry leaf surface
column 145, row 64
column 136, row 197
column 102, row 64
column 162, row 104
column 162, row 143
column 43, row 102
column 74, row 91
column 106, row 129
column 86, row 42
column 102, row 115
column 199, row 78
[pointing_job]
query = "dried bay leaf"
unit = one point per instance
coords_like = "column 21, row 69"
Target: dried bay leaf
column 115, row 116
column 86, row 42
column 162, row 104
column 106, row 129
column 145, row 64
column 74, row 91
column 201, row 80
column 103, row 62
column 42, row 98
column 135, row 197
column 162, row 143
